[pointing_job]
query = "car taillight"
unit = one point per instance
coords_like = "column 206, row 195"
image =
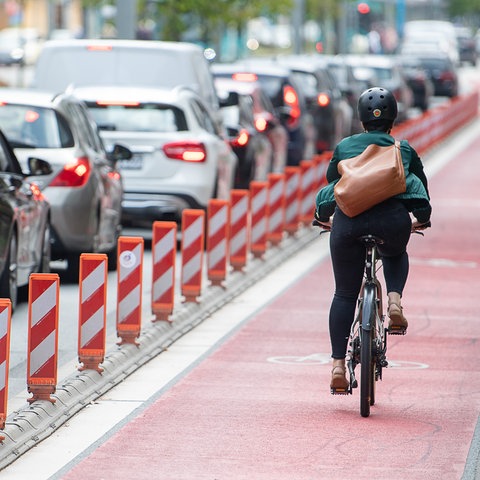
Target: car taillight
column 74, row 174
column 241, row 139
column 323, row 99
column 245, row 77
column 261, row 124
column 447, row 76
column 186, row 151
column 290, row 97
column 37, row 193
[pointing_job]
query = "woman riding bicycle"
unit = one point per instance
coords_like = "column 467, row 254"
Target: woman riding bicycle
column 389, row 220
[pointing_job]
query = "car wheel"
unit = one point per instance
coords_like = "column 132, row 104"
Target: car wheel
column 8, row 278
column 112, row 258
column 73, row 266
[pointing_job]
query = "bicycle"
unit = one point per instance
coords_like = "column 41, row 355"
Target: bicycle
column 367, row 343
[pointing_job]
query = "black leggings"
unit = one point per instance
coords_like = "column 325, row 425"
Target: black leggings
column 390, row 221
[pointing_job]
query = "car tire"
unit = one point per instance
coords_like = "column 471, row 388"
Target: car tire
column 112, row 258
column 44, row 266
column 8, row 278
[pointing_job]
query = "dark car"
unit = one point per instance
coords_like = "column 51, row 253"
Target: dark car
column 443, row 74
column 332, row 114
column 255, row 133
column 24, row 223
column 418, row 80
column 287, row 98
column 467, row 48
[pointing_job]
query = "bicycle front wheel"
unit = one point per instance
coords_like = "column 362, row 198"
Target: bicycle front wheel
column 367, row 363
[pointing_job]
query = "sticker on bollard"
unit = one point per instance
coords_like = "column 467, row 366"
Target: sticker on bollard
column 5, row 325
column 193, row 237
column 92, row 310
column 164, row 254
column 259, row 217
column 129, row 289
column 239, row 228
column 43, row 306
column 217, row 240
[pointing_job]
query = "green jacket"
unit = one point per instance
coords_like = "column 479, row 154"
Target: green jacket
column 416, row 197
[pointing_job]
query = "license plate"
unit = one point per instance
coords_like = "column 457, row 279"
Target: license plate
column 134, row 163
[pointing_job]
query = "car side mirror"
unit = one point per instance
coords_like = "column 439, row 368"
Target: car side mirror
column 119, row 152
column 230, row 100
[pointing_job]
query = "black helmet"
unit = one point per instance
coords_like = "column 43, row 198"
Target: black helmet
column 377, row 103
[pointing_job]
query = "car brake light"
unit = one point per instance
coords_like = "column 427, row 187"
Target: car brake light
column 186, row 151
column 323, row 99
column 100, row 48
column 261, row 124
column 245, row 77
column 122, row 103
column 74, row 174
column 291, row 99
column 241, row 139
column 37, row 193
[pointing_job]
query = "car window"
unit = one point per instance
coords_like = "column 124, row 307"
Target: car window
column 38, row 127
column 203, row 117
column 307, row 81
column 142, row 117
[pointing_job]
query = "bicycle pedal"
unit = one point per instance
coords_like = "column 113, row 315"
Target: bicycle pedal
column 340, row 391
column 397, row 330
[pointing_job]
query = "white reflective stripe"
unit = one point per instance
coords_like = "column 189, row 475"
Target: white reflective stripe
column 275, row 220
column 217, row 253
column 292, row 184
column 192, row 267
column 193, row 232
column 92, row 282
column 218, row 220
column 259, row 200
column 259, row 229
column 291, row 210
column 307, row 178
column 4, row 322
column 128, row 304
column 239, row 209
column 42, row 353
column 126, row 271
column 276, row 192
column 3, row 375
column 164, row 246
column 238, row 241
column 163, row 283
column 92, row 326
column 44, row 303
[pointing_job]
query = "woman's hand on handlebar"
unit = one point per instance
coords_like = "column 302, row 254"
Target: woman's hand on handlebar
column 417, row 226
column 320, row 223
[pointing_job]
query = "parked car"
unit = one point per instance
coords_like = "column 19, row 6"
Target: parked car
column 466, row 45
column 286, row 96
column 84, row 188
column 418, row 80
column 19, row 46
column 24, row 222
column 443, row 73
column 332, row 114
column 152, row 64
column 256, row 134
column 180, row 158
column 389, row 74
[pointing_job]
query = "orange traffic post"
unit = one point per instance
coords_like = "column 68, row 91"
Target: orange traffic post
column 193, row 239
column 292, row 199
column 217, row 240
column 92, row 310
column 239, row 232
column 164, row 254
column 258, row 217
column 5, row 325
column 307, row 203
column 43, row 307
column 129, row 289
column 276, row 207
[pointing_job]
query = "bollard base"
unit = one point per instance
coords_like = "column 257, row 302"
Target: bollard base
column 90, row 363
column 128, row 338
column 41, row 392
column 162, row 316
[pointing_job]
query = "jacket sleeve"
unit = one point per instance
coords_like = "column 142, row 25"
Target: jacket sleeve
column 416, row 167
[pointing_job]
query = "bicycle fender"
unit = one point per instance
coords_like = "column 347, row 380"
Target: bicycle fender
column 368, row 307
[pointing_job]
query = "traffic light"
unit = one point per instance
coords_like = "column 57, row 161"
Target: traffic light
column 364, row 20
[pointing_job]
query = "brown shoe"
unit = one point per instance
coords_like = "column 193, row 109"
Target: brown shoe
column 398, row 323
column 339, row 383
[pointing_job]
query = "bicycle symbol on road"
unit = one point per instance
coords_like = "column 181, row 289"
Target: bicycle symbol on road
column 325, row 359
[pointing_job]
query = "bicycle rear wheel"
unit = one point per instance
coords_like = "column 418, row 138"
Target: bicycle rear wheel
column 367, row 362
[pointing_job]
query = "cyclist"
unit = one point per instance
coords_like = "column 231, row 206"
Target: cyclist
column 389, row 220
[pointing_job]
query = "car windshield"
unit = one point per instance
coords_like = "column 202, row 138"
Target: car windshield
column 138, row 117
column 34, row 127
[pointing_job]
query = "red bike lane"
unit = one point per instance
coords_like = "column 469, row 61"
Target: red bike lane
column 259, row 406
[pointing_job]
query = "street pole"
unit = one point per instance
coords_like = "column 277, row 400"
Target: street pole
column 126, row 20
column 298, row 18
